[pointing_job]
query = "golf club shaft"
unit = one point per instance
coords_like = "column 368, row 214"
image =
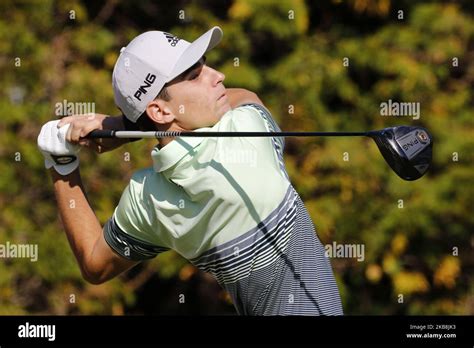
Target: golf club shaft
column 160, row 134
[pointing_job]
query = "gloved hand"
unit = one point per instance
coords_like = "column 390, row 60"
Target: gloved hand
column 57, row 151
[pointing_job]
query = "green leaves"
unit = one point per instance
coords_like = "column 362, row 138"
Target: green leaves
column 315, row 70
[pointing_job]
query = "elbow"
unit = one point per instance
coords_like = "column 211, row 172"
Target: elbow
column 250, row 98
column 94, row 281
column 93, row 278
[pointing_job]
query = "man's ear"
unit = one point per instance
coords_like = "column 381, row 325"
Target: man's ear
column 159, row 112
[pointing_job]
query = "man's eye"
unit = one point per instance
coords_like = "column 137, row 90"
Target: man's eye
column 193, row 76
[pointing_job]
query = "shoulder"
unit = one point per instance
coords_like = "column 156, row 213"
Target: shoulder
column 133, row 205
column 255, row 108
column 139, row 181
column 242, row 118
column 140, row 176
column 254, row 115
column 251, row 110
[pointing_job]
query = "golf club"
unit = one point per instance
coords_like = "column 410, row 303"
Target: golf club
column 407, row 150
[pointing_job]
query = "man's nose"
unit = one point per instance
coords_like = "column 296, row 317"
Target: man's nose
column 217, row 76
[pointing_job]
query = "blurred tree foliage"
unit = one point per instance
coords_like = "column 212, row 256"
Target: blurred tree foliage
column 291, row 52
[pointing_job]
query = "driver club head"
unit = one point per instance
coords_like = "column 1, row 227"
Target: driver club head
column 407, row 150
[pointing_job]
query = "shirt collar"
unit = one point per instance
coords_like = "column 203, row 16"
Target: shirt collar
column 174, row 151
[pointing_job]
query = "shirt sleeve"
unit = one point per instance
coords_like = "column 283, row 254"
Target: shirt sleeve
column 128, row 232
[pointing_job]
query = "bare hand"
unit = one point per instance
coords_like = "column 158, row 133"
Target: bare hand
column 81, row 125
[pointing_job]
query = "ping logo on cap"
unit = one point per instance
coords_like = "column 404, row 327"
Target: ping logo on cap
column 149, row 79
column 172, row 39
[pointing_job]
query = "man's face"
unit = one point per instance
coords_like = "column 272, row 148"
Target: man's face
column 198, row 97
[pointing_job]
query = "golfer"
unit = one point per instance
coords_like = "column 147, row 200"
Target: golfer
column 225, row 204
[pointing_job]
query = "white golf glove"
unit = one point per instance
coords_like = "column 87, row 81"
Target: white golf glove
column 57, row 151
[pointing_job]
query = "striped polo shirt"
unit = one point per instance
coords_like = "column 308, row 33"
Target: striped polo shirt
column 227, row 205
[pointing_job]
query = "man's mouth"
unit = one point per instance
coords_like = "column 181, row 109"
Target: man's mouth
column 221, row 96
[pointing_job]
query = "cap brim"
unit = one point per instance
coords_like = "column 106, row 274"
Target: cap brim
column 196, row 50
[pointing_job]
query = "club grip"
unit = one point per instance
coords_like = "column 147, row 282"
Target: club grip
column 101, row 133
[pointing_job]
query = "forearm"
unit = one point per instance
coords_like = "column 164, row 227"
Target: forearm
column 240, row 96
column 114, row 123
column 80, row 222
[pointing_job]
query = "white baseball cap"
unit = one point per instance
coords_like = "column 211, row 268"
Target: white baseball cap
column 150, row 61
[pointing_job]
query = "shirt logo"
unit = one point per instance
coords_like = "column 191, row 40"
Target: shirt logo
column 150, row 78
column 172, row 39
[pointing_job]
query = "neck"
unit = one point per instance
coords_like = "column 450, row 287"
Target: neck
column 165, row 141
